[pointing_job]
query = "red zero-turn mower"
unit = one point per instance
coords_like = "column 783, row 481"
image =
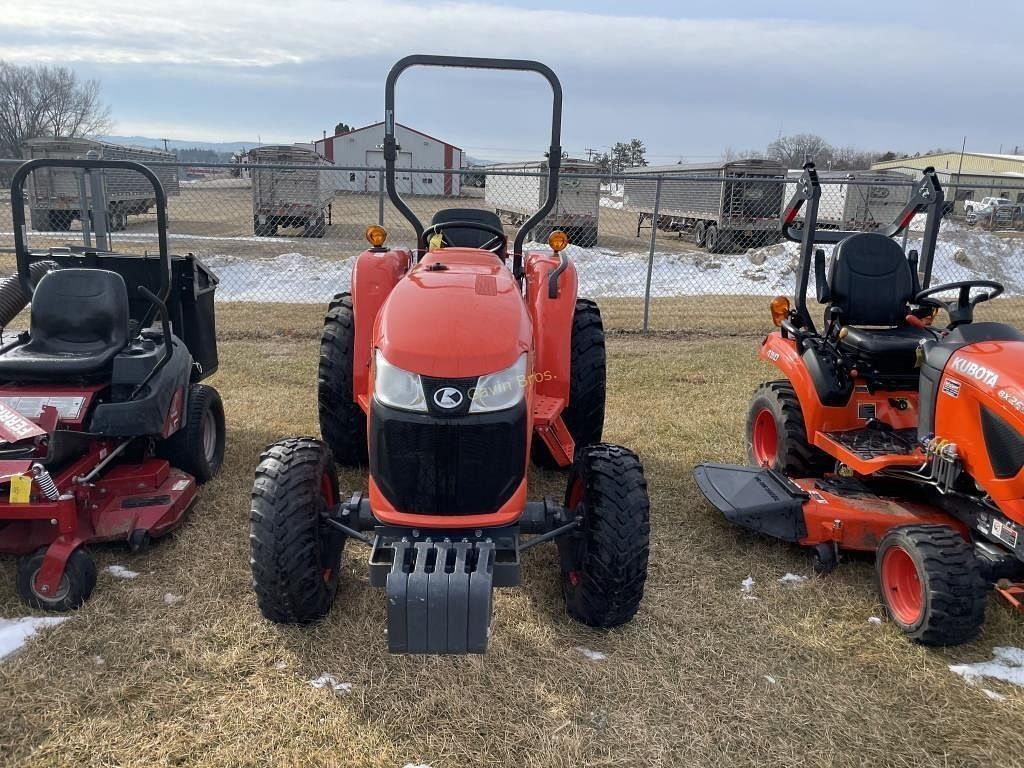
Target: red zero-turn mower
column 886, row 434
column 443, row 369
column 104, row 431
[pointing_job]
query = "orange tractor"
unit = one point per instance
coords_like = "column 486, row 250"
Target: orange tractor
column 445, row 368
column 886, row 433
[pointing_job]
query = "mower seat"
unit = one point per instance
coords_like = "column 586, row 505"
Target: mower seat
column 872, row 283
column 467, row 238
column 79, row 322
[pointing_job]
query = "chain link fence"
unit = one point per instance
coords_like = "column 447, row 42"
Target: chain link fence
column 649, row 238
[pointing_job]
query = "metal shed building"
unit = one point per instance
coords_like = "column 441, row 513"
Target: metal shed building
column 363, row 147
column 976, row 163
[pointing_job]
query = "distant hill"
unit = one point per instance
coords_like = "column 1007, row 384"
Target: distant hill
column 148, row 141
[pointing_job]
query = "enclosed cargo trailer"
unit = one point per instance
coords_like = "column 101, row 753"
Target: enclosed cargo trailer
column 856, row 200
column 516, row 196
column 723, row 205
column 54, row 194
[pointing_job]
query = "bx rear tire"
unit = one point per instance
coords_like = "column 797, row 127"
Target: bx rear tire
column 198, row 447
column 294, row 555
column 776, row 436
column 342, row 421
column 76, row 584
column 584, row 415
column 604, row 563
column 931, row 584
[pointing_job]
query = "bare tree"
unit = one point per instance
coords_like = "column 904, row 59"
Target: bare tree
column 46, row 101
column 794, row 151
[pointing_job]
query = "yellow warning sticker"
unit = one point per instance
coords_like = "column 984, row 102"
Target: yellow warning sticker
column 21, row 489
column 436, row 241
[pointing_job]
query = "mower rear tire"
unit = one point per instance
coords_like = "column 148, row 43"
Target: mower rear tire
column 931, row 584
column 604, row 563
column 198, row 447
column 342, row 421
column 584, row 415
column 776, row 436
column 295, row 556
column 76, row 584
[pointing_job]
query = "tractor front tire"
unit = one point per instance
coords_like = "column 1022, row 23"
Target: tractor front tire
column 776, row 436
column 198, row 447
column 295, row 557
column 604, row 563
column 931, row 584
column 342, row 421
column 76, row 584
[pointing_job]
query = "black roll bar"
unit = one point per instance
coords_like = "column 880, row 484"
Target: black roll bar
column 469, row 62
column 21, row 251
column 925, row 197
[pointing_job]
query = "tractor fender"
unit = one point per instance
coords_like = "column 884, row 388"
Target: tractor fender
column 552, row 323
column 783, row 354
column 374, row 275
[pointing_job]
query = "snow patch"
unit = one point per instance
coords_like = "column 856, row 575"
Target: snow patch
column 14, row 632
column 120, row 572
column 874, row 620
column 993, row 695
column 608, row 202
column 330, row 681
column 771, row 680
column 1007, row 664
column 587, row 653
column 792, row 578
column 170, row 599
column 415, row 765
column 290, row 277
column 747, row 585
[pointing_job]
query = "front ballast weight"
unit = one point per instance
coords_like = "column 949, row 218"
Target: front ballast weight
column 438, row 583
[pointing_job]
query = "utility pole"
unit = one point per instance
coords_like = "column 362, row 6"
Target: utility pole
column 165, row 144
column 590, row 153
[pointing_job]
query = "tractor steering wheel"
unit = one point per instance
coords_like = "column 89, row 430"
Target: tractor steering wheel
column 496, row 245
column 960, row 311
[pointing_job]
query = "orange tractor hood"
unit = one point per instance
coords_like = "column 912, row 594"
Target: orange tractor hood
column 456, row 314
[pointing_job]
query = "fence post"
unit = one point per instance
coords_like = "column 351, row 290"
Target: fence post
column 98, row 200
column 380, row 197
column 83, row 208
column 650, row 257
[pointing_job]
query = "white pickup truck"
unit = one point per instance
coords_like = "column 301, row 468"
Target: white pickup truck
column 993, row 210
column 986, row 205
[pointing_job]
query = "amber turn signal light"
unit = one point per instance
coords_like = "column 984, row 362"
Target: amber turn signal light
column 780, row 309
column 558, row 240
column 376, row 235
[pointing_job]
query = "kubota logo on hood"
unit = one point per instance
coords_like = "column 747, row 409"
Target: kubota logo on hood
column 977, row 372
column 448, row 397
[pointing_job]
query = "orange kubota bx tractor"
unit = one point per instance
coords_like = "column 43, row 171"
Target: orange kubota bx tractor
column 887, row 434
column 444, row 369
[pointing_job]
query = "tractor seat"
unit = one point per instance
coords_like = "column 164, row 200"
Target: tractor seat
column 78, row 324
column 872, row 283
column 467, row 238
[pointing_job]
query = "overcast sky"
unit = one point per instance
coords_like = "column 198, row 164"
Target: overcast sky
column 689, row 79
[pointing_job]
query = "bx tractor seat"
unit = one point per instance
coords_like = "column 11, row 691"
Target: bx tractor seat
column 870, row 286
column 78, row 324
column 466, row 237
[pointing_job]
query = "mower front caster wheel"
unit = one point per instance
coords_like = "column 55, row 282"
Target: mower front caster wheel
column 823, row 558
column 604, row 563
column 76, row 584
column 294, row 554
column 931, row 584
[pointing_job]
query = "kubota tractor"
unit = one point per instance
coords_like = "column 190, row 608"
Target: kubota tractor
column 105, row 430
column 888, row 434
column 444, row 369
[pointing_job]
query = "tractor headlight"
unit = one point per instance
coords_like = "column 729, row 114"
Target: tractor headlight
column 397, row 388
column 501, row 390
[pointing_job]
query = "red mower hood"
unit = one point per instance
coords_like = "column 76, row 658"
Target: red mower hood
column 458, row 313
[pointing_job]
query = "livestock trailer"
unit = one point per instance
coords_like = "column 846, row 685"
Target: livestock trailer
column 516, row 190
column 295, row 189
column 723, row 205
column 856, row 200
column 54, row 193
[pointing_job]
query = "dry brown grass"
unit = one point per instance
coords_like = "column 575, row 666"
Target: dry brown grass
column 207, row 681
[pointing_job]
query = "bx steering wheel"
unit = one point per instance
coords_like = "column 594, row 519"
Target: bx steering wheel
column 960, row 311
column 496, row 245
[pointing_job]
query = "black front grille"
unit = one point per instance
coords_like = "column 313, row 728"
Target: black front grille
column 462, row 465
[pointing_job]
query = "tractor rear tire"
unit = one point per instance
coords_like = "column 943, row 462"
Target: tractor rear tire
column 342, row 421
column 604, row 563
column 776, row 436
column 931, row 584
column 584, row 415
column 198, row 447
column 295, row 557
column 76, row 585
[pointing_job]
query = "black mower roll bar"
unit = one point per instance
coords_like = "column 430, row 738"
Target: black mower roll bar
column 925, row 197
column 21, row 252
column 469, row 62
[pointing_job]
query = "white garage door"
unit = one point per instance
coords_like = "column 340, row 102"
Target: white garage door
column 403, row 179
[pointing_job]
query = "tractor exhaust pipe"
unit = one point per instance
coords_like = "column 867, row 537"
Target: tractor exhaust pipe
column 13, row 297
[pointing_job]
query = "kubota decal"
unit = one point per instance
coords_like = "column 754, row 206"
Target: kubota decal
column 1012, row 400
column 977, row 372
column 448, row 397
